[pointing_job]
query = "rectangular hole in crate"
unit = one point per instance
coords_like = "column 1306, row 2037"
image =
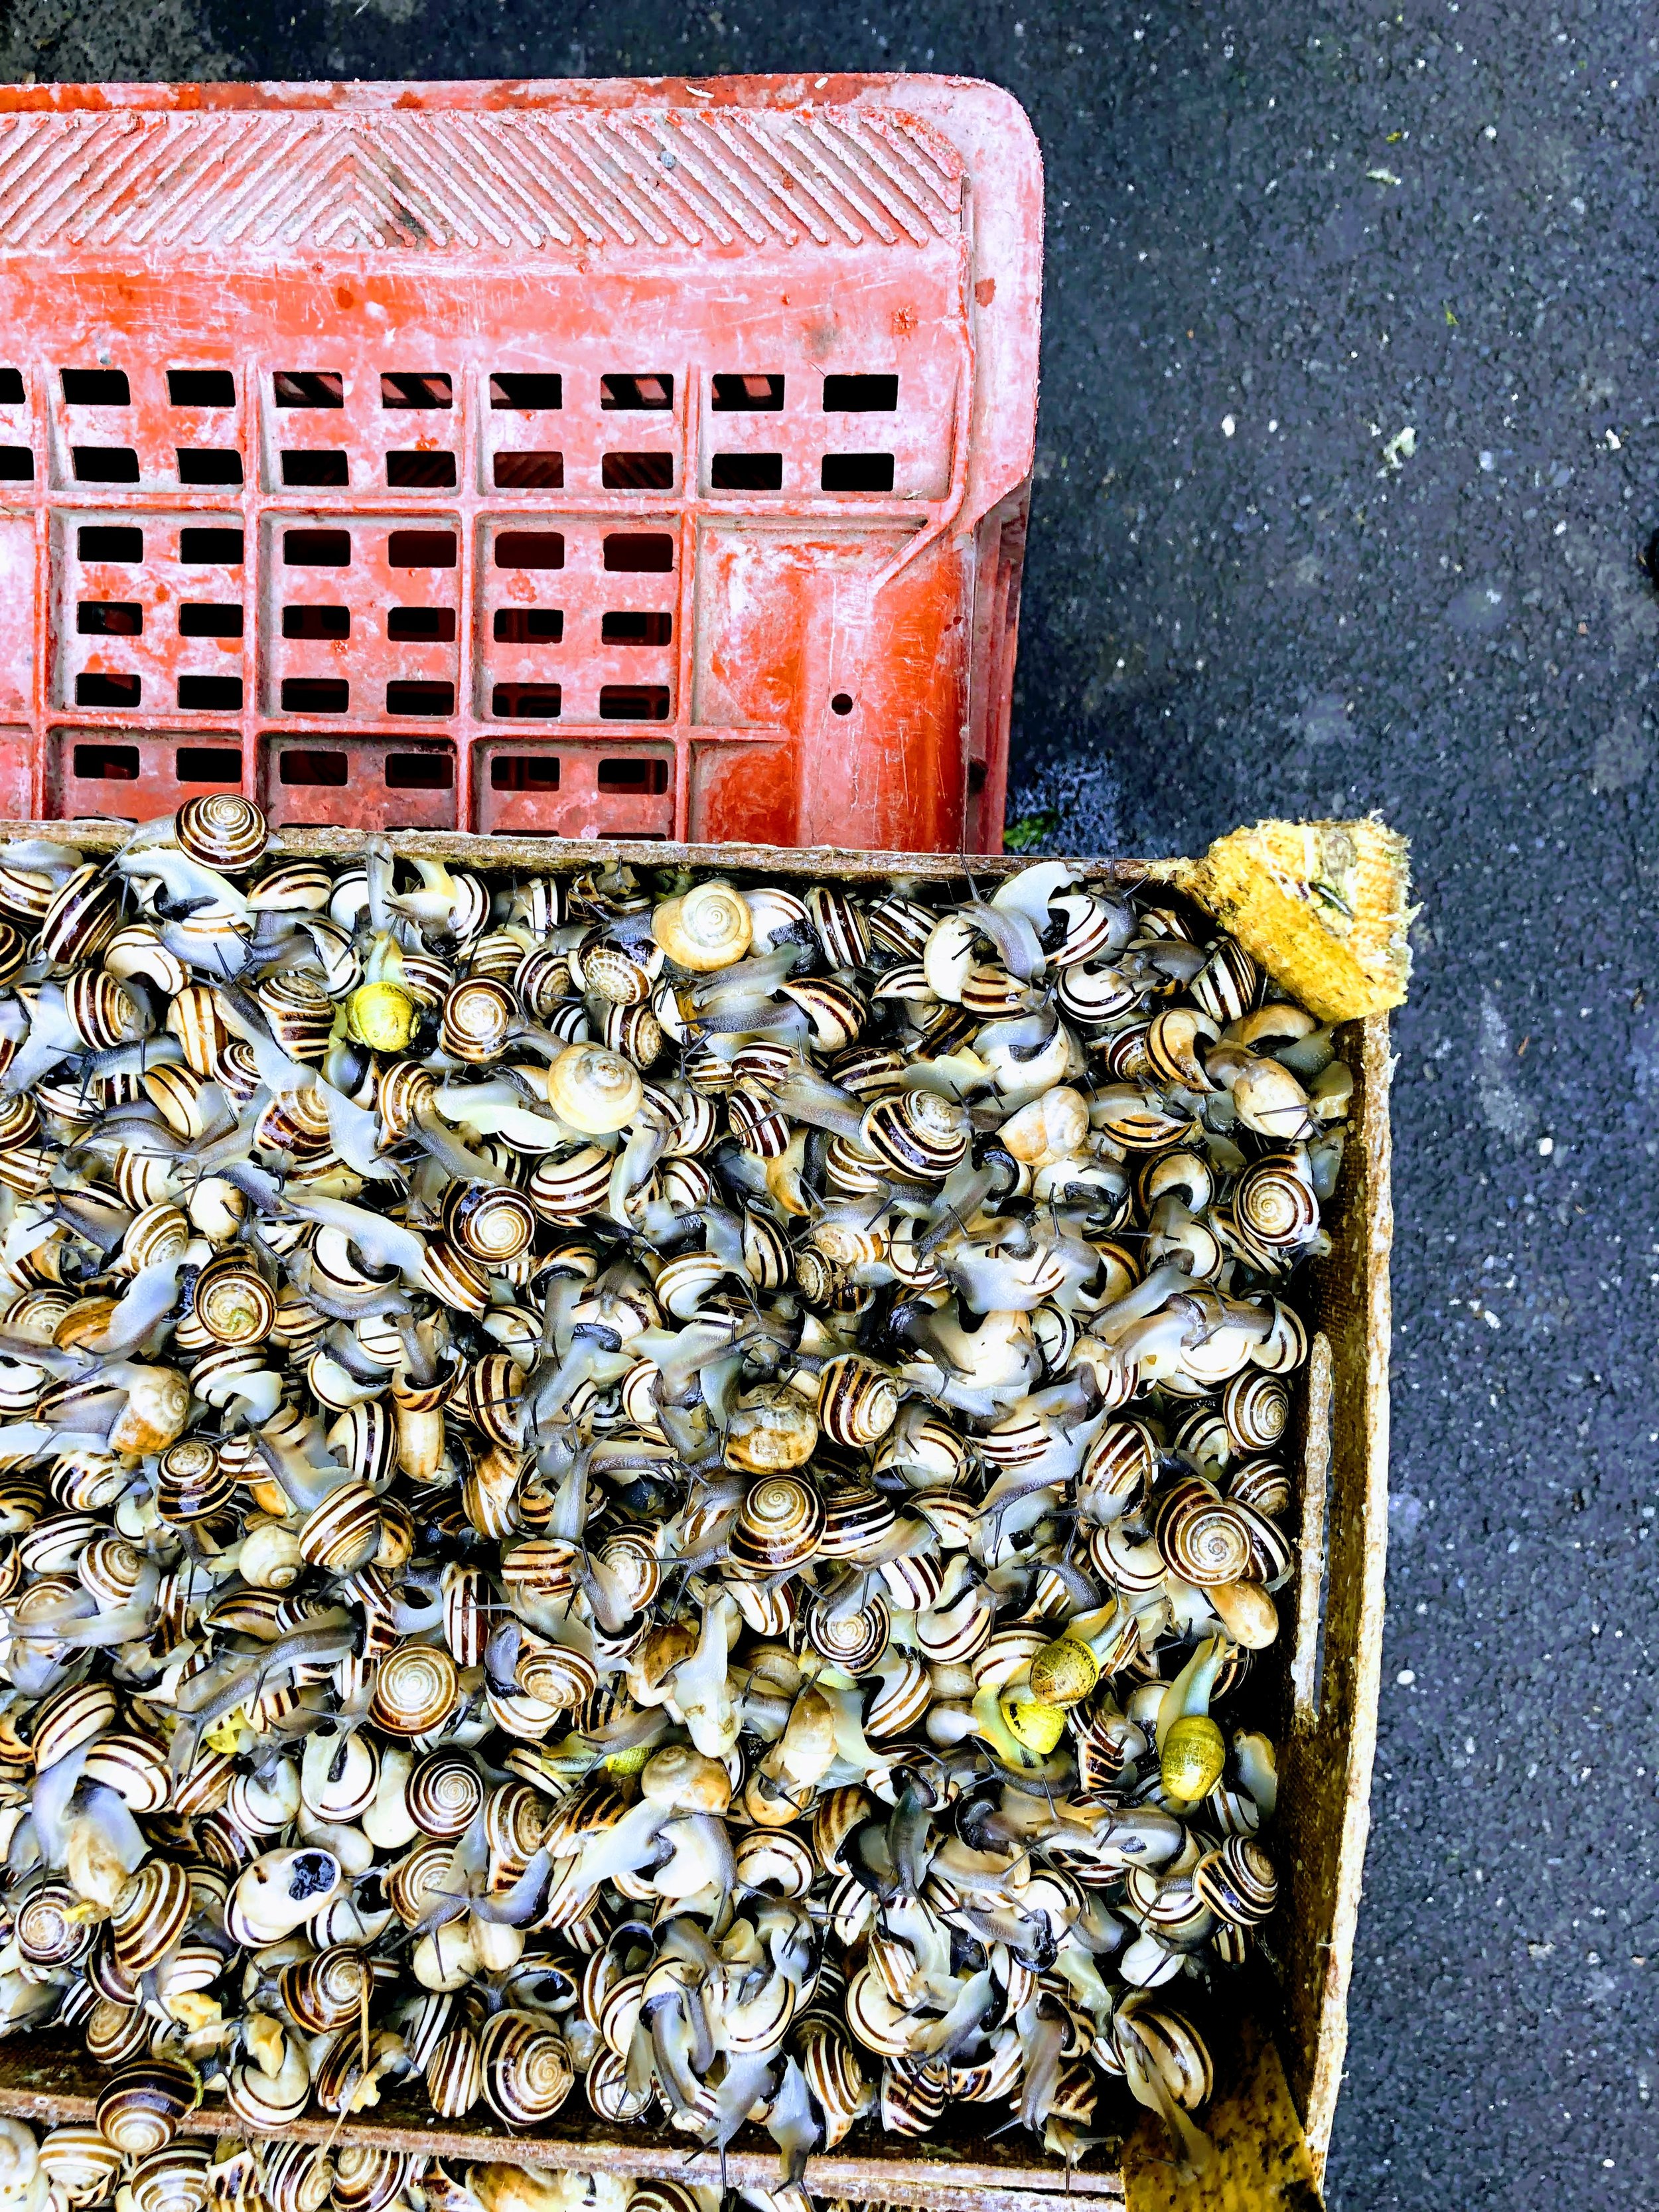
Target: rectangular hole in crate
column 634, row 702
column 527, row 391
column 316, row 622
column 519, row 471
column 310, row 764
column 624, row 627
column 860, row 395
column 210, row 618
column 419, row 772
column 857, row 473
column 201, row 387
column 636, row 394
column 746, row 472
column 527, row 703
column 315, row 694
column 638, row 553
column 209, row 465
column 218, row 695
column 410, row 696
column 92, row 689
column 317, row 549
column 11, row 387
column 642, row 776
column 314, row 468
column 109, row 618
column 525, row 772
column 105, row 464
column 106, row 764
column 416, row 472
column 421, row 549
column 528, row 625
column 96, row 387
column 110, row 541
column 406, row 387
column 747, row 395
column 529, row 548
column 207, row 764
column 421, row 625
column 308, row 387
column 637, row 471
column 212, row 549
column 16, row 465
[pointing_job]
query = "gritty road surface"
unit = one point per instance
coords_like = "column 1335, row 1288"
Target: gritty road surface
column 1345, row 462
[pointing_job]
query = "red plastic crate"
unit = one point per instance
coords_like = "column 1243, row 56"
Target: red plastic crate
column 643, row 458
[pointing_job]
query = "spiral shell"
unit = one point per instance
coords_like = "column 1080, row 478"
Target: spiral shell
column 445, row 1794
column 1256, row 1409
column 1201, row 1536
column 593, row 1090
column 709, row 928
column 342, row 1533
column 81, row 918
column 1262, row 1484
column 916, row 1133
column 222, row 831
column 857, row 1403
column 778, row 1526
column 139, row 2109
column 476, row 1019
column 563, row 1190
column 51, row 1927
column 856, row 1642
column 416, row 1689
column 527, row 2074
column 489, row 1223
column 1273, row 1202
column 1237, row 1882
column 298, row 1010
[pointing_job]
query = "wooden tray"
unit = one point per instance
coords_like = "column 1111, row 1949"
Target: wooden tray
column 1293, row 2031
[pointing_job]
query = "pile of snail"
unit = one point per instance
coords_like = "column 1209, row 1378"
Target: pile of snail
column 635, row 1488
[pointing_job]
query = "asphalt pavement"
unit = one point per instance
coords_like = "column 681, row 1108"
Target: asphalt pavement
column 1347, row 467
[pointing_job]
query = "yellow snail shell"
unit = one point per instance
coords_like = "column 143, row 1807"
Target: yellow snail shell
column 709, row 927
column 1192, row 1757
column 593, row 1090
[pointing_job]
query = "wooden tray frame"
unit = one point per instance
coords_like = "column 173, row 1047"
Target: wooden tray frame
column 1273, row 2149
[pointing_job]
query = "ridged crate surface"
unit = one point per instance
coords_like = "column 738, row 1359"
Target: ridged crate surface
column 628, row 459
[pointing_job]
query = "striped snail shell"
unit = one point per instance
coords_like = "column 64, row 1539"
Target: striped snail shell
column 555, row 1675
column 857, row 1642
column 709, row 928
column 1201, row 1536
column 757, row 1126
column 406, row 1090
column 134, row 1767
column 1237, row 1881
column 81, row 920
column 339, row 1773
column 1273, row 1202
column 342, row 1533
column 466, row 1613
column 193, row 1018
column 840, row 924
column 445, row 1794
column 365, row 1440
column 478, row 1016
column 917, row 1132
column 1228, row 983
column 593, row 1090
column 836, row 1012
column 775, row 913
column 901, row 925
column 113, row 2033
column 1263, row 1484
column 493, row 1396
column 237, row 1075
column 300, row 1014
column 1118, row 1465
column 1176, row 1041
column 879, row 2024
column 497, row 953
column 634, row 1031
column 416, row 1689
column 905, row 1694
column 611, row 2095
column 857, row 1403
column 454, row 1278
column 542, row 981
column 1202, row 1434
column 69, row 1719
column 295, row 1121
column 1163, row 2042
column 19, row 1120
column 613, row 975
column 527, row 2074
column 82, row 2167
column 222, row 831
column 1256, row 1408
column 159, row 1233
column 454, row 2075
column 857, row 1520
column 232, row 1301
column 1272, row 1554
column 102, row 1012
column 293, row 887
column 293, row 2177
column 327, row 1990
column 172, row 2179
column 189, row 1483
column 139, row 2110
column 366, row 2179
column 50, row 1926
column 564, row 1188
column 778, row 1526
column 683, row 1286
column 913, row 2096
column 13, row 951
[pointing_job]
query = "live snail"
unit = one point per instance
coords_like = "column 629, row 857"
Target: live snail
column 640, row 1489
